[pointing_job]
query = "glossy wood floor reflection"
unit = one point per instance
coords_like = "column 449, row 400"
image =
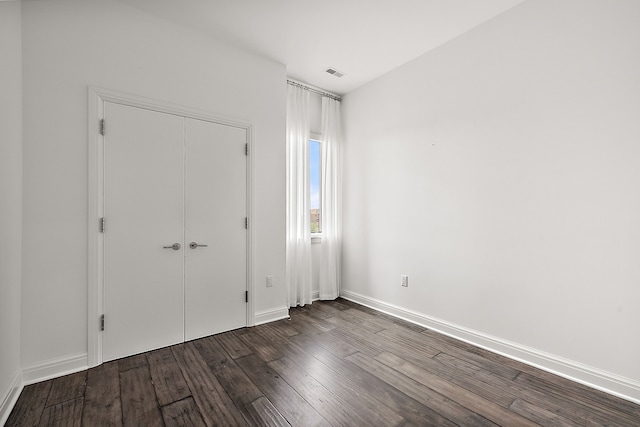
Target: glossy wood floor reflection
column 334, row 363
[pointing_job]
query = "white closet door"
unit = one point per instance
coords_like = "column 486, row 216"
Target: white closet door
column 144, row 209
column 216, row 207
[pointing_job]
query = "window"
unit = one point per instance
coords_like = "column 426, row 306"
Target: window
column 315, row 170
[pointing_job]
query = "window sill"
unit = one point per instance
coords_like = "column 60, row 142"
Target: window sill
column 316, row 238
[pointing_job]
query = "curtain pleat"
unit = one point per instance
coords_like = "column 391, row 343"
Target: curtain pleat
column 331, row 251
column 298, row 246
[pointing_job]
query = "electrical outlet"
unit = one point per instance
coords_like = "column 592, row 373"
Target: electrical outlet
column 269, row 281
column 404, row 280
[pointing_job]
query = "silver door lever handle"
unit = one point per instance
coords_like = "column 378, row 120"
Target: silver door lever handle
column 175, row 247
column 194, row 245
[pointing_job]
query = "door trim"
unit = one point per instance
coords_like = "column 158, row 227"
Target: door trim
column 95, row 242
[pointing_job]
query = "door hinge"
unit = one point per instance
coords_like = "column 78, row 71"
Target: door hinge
column 102, row 127
column 246, row 222
column 102, row 322
column 246, row 149
column 246, row 296
column 101, row 224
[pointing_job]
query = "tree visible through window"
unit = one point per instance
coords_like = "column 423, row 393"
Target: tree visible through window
column 315, row 169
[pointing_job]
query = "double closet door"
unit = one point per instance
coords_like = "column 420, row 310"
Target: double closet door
column 175, row 242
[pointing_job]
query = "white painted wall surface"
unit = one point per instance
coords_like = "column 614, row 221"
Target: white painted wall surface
column 70, row 44
column 10, row 200
column 501, row 173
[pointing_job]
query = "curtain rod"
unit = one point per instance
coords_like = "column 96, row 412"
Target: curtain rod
column 310, row 89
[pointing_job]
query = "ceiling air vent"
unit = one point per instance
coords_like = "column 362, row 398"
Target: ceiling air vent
column 334, row 72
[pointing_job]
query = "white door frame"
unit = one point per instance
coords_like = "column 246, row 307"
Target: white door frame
column 95, row 245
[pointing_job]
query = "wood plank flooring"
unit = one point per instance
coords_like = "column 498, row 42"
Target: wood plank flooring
column 332, row 364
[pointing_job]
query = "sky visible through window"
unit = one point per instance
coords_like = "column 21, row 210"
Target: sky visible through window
column 314, row 168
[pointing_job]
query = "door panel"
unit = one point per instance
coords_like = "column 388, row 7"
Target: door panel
column 144, row 182
column 216, row 207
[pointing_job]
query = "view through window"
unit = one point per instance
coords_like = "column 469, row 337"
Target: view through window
column 315, row 169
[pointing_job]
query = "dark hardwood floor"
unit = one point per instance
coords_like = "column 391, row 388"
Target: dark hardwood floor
column 334, row 363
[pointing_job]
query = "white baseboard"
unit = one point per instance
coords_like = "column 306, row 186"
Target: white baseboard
column 272, row 315
column 10, row 396
column 616, row 385
column 55, row 368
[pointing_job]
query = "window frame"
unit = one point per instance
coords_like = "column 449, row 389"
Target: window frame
column 316, row 137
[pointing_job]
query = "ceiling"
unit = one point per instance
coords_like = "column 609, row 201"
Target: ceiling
column 364, row 39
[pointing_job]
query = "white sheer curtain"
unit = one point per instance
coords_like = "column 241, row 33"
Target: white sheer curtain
column 330, row 264
column 298, row 250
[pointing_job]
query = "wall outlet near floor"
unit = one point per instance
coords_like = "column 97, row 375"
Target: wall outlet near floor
column 269, row 281
column 404, row 280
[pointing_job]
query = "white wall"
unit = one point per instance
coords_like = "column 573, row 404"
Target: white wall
column 68, row 45
column 10, row 201
column 501, row 172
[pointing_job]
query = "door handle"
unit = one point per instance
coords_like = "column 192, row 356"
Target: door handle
column 175, row 247
column 194, row 245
